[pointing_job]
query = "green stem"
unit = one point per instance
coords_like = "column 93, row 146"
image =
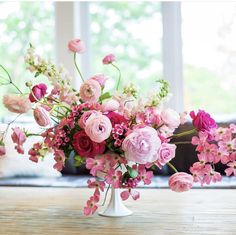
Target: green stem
column 77, row 68
column 182, row 142
column 172, row 167
column 118, row 83
column 106, row 195
column 183, row 133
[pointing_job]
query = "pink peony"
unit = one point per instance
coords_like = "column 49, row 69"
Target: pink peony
column 16, row 104
column 41, row 116
column 166, row 153
column 85, row 147
column 98, row 128
column 171, row 118
column 202, row 121
column 18, row 137
column 85, row 116
column 38, row 92
column 100, row 78
column 90, row 91
column 109, row 59
column 110, row 105
column 180, row 182
column 141, row 145
column 76, row 45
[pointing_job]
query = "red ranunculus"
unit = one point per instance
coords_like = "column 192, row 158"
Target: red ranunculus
column 38, row 92
column 116, row 118
column 85, row 147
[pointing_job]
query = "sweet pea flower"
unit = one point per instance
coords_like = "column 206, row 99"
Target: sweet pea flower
column 109, row 59
column 113, row 177
column 100, row 78
column 38, row 92
column 41, row 116
column 98, row 128
column 90, row 91
column 171, row 118
column 76, row 45
column 18, row 137
column 180, row 182
column 91, row 206
column 141, row 145
column 16, row 103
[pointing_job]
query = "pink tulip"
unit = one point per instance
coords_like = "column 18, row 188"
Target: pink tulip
column 76, row 45
column 180, row 182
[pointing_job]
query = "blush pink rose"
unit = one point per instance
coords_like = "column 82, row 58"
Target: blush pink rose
column 38, row 92
column 76, row 45
column 110, row 105
column 171, row 118
column 90, row 91
column 16, row 104
column 109, row 59
column 180, row 182
column 141, row 145
column 165, row 153
column 85, row 116
column 100, row 78
column 41, row 116
column 98, row 128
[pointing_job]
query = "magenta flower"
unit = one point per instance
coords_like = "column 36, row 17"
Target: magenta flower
column 18, row 137
column 180, row 182
column 95, row 165
column 109, row 59
column 38, row 92
column 91, row 206
column 202, row 121
column 76, row 45
column 113, row 177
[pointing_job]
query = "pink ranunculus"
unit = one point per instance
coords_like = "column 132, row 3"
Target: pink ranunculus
column 85, row 147
column 16, row 104
column 141, row 145
column 90, row 91
column 180, row 182
column 85, row 116
column 110, row 105
column 98, row 128
column 109, row 59
column 41, row 116
column 2, row 149
column 171, row 118
column 38, row 92
column 18, row 137
column 202, row 121
column 165, row 153
column 100, row 78
column 116, row 118
column 76, row 45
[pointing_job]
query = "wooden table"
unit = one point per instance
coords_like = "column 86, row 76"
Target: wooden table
column 159, row 211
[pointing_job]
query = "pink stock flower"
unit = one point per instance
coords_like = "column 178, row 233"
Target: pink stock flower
column 141, row 145
column 98, row 128
column 85, row 116
column 100, row 78
column 18, row 137
column 76, row 45
column 180, row 182
column 110, row 105
column 109, row 59
column 202, row 121
column 171, row 118
column 113, row 177
column 95, row 165
column 90, row 91
column 16, row 104
column 38, row 92
column 2, row 149
column 232, row 168
column 165, row 153
column 85, row 147
column 91, row 206
column 41, row 116
column 130, row 192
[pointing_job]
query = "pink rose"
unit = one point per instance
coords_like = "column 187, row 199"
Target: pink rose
column 41, row 116
column 76, row 45
column 110, row 105
column 141, row 145
column 85, row 147
column 38, row 92
column 180, row 182
column 18, row 137
column 165, row 153
column 109, row 59
column 171, row 118
column 116, row 118
column 90, row 91
column 100, row 78
column 98, row 128
column 85, row 116
column 17, row 104
column 203, row 121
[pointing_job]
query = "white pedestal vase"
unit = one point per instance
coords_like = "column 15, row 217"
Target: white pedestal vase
column 115, row 207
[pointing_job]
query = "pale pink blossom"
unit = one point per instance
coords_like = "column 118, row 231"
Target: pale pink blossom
column 171, row 118
column 85, row 116
column 183, row 117
column 130, row 192
column 90, row 91
column 211, row 175
column 95, row 165
column 100, row 78
column 180, row 182
column 76, row 45
column 18, row 137
column 98, row 128
column 232, row 168
column 233, row 128
column 197, row 171
column 165, row 153
column 110, row 105
column 98, row 185
column 91, row 206
column 141, row 145
column 109, row 59
column 145, row 176
column 16, row 103
column 200, row 141
column 113, row 177
column 41, row 116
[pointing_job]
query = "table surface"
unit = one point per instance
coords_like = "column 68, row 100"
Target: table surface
column 158, row 211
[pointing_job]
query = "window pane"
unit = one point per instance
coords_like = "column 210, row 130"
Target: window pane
column 22, row 23
column 131, row 31
column 209, row 49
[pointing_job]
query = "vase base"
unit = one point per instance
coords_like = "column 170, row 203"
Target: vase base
column 124, row 212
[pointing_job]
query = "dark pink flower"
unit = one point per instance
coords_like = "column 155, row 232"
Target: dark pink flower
column 38, row 92
column 116, row 118
column 109, row 59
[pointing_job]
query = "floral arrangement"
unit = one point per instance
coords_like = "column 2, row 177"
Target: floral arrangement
column 120, row 137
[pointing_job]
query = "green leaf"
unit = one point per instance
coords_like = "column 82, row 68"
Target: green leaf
column 104, row 96
column 133, row 173
column 78, row 161
column 37, row 74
